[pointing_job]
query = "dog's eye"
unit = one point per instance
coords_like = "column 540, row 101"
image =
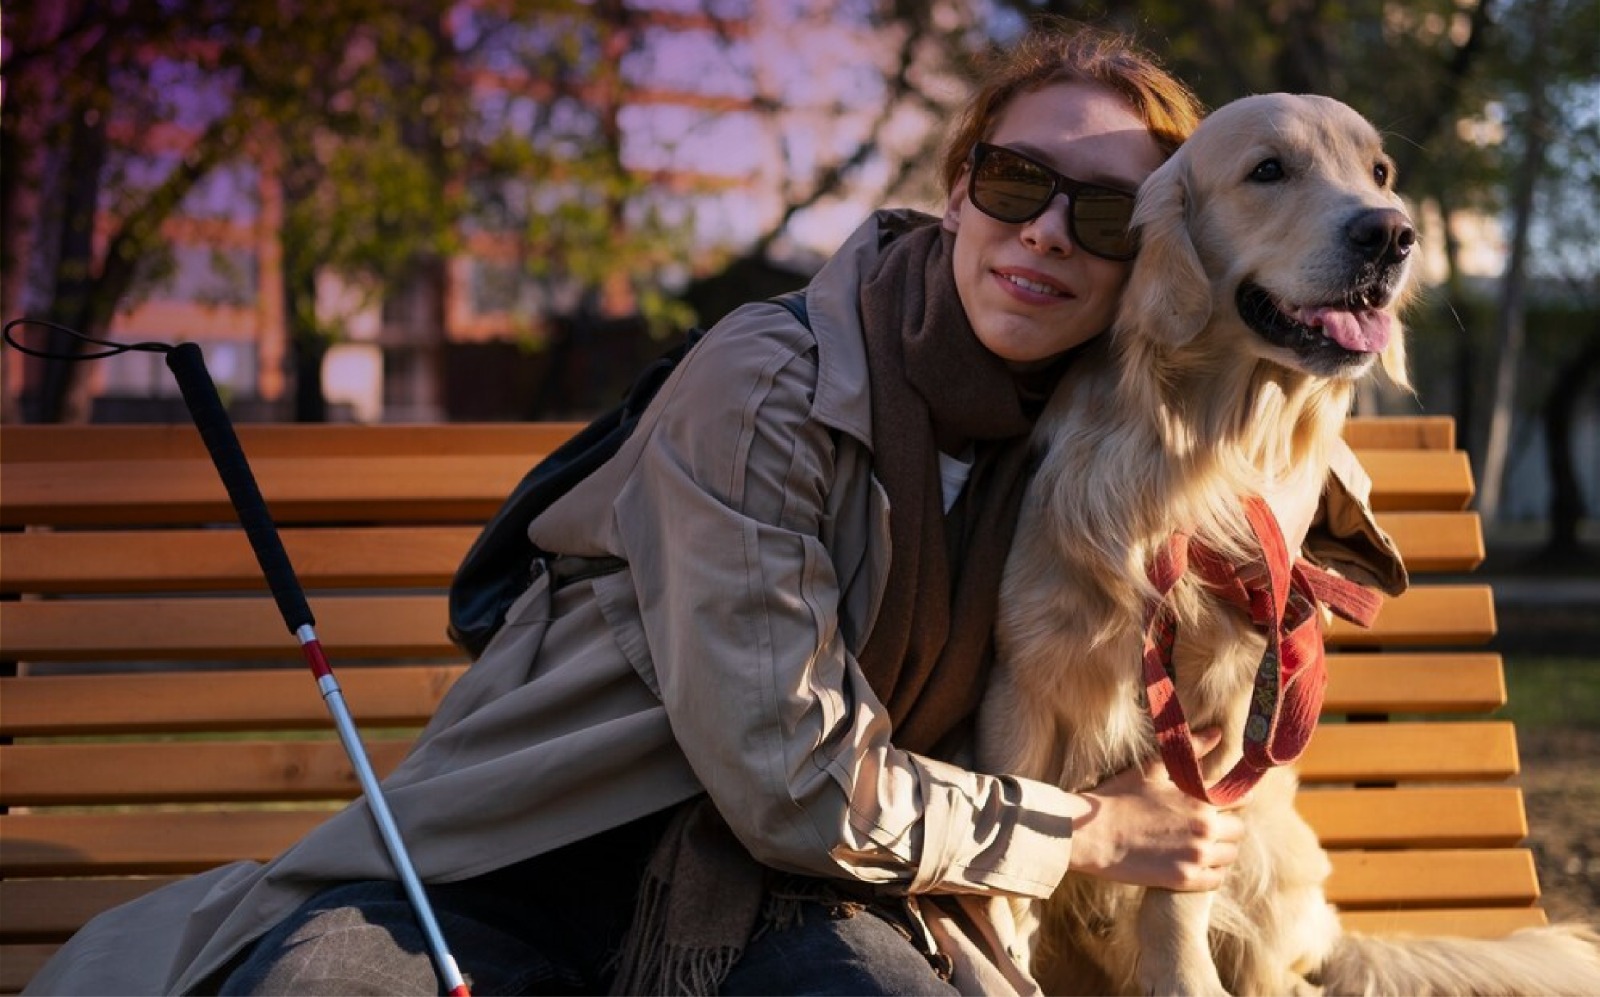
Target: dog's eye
column 1267, row 171
column 1380, row 174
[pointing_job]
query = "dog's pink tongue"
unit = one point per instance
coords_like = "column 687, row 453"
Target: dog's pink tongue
column 1365, row 331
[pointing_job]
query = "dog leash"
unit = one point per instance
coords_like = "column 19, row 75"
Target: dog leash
column 1281, row 598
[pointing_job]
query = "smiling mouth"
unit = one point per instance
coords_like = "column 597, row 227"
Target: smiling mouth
column 1033, row 286
column 1346, row 331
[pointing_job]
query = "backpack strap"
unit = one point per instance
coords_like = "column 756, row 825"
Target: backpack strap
column 795, row 302
column 502, row 562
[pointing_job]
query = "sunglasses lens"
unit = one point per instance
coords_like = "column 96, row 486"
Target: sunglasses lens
column 1100, row 220
column 1009, row 188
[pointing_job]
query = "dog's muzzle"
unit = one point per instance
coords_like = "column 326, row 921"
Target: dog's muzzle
column 1343, row 331
column 1382, row 237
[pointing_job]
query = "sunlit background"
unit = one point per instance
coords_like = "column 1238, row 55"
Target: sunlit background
column 428, row 210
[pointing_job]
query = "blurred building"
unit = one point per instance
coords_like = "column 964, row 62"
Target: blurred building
column 484, row 339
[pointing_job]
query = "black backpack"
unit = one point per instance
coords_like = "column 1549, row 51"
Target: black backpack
column 496, row 569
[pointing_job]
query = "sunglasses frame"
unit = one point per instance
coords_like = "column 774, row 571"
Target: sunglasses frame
column 1060, row 183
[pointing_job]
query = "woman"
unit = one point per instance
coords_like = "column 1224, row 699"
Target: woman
column 720, row 743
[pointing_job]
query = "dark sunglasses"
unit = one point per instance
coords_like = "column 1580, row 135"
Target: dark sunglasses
column 1009, row 187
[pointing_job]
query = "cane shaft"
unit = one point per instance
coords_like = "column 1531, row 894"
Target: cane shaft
column 388, row 830
column 216, row 430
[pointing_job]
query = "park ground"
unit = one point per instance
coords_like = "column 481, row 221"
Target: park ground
column 1548, row 610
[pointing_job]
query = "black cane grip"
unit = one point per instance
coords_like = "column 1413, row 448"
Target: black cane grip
column 188, row 366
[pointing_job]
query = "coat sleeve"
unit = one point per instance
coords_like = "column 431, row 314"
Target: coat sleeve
column 721, row 522
column 1345, row 535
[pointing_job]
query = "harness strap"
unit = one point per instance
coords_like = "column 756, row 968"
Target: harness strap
column 1281, row 599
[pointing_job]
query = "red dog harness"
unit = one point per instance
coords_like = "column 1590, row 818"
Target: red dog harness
column 1282, row 600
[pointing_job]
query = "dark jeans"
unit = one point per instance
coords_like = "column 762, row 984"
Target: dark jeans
column 552, row 925
column 549, row 924
column 836, row 949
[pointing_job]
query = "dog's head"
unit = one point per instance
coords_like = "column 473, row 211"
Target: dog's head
column 1276, row 223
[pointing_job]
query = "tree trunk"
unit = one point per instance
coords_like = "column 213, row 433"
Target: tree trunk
column 60, row 397
column 1465, row 366
column 1560, row 411
column 23, row 152
column 307, row 342
column 310, row 405
column 1509, row 331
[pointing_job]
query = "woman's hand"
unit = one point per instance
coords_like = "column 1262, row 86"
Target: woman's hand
column 1142, row 829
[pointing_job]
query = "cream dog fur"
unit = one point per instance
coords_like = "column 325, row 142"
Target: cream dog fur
column 1274, row 260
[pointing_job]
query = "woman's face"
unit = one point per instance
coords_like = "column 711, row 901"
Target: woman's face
column 1028, row 291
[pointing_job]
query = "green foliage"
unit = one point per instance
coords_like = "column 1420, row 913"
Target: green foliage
column 391, row 149
column 1552, row 692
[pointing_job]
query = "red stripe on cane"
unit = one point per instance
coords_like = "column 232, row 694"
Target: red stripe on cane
column 316, row 659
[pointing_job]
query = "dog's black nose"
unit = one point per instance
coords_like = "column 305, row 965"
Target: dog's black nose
column 1382, row 235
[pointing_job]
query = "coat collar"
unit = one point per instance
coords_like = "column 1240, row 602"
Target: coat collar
column 843, row 399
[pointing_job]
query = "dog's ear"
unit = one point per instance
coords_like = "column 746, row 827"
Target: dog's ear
column 1168, row 298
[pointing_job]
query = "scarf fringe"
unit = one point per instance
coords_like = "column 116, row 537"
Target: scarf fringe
column 639, row 960
column 699, row 904
column 649, row 964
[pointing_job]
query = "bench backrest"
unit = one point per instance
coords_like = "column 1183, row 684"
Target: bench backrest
column 158, row 720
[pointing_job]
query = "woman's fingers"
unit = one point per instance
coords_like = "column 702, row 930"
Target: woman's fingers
column 1143, row 829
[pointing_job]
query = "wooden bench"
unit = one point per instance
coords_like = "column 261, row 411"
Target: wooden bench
column 118, row 556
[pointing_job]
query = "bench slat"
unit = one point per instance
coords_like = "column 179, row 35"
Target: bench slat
column 1429, row 817
column 18, row 963
column 445, row 488
column 1418, row 479
column 41, row 909
column 173, row 702
column 422, row 488
column 1475, row 816
column 50, row 442
column 1435, row 541
column 137, row 561
column 72, row 773
column 1415, row 683
column 1410, row 752
column 245, row 628
column 1465, row 922
column 111, row 561
column 191, row 842
column 406, row 695
column 352, row 626
column 180, row 441
column 1408, row 432
column 1486, row 877
column 185, row 772
column 1425, row 615
column 146, row 842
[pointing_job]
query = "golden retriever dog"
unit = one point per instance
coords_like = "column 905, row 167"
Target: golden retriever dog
column 1274, row 260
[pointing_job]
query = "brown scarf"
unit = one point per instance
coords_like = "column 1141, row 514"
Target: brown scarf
column 932, row 379
column 703, row 897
